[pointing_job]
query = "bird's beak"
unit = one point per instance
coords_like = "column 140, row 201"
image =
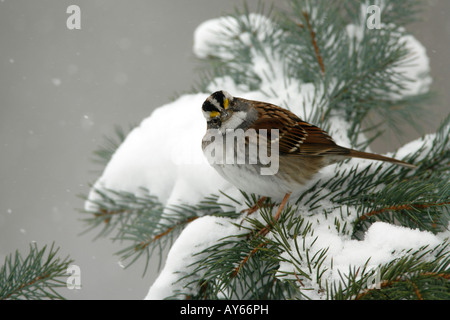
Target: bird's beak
column 224, row 115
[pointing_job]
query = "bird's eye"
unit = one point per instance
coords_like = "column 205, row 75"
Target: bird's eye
column 215, row 122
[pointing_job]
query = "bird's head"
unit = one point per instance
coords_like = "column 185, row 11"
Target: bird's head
column 218, row 108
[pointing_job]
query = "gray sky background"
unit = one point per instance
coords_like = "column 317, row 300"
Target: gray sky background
column 61, row 91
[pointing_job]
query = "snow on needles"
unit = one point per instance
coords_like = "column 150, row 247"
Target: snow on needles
column 163, row 154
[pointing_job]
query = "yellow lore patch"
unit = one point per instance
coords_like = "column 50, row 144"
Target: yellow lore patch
column 214, row 114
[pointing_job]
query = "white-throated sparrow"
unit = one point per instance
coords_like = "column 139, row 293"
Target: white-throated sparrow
column 300, row 149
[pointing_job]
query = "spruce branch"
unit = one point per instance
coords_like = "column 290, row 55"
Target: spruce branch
column 263, row 231
column 114, row 210
column 230, row 272
column 409, row 277
column 36, row 276
column 241, row 266
column 143, row 222
column 314, row 41
column 110, row 144
column 401, row 207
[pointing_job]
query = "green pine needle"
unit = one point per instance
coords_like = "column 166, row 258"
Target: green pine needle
column 39, row 275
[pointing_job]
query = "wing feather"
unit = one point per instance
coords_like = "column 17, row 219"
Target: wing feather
column 296, row 137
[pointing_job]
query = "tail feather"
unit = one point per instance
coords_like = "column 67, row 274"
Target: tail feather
column 373, row 156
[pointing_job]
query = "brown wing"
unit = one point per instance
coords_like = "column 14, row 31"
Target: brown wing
column 296, row 137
